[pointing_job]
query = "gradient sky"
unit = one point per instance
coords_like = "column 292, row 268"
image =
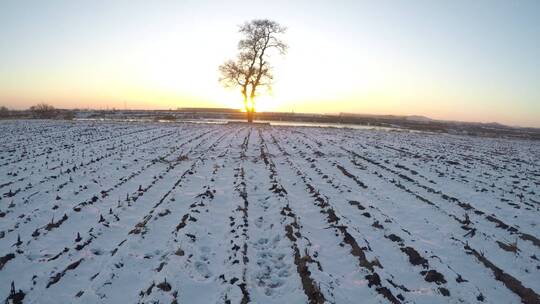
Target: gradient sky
column 459, row 60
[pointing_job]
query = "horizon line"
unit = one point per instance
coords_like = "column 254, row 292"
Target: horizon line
column 241, row 110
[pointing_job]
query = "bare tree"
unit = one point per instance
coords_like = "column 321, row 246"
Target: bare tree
column 43, row 110
column 4, row 112
column 251, row 69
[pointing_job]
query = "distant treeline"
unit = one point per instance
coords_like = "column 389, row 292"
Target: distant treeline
column 45, row 111
column 39, row 111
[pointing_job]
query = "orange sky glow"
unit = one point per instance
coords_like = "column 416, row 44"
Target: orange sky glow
column 451, row 61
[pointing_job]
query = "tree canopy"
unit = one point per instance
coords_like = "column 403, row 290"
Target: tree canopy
column 251, row 69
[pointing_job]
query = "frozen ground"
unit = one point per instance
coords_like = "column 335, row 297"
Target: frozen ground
column 192, row 213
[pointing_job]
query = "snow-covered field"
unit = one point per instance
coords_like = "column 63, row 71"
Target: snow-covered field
column 196, row 213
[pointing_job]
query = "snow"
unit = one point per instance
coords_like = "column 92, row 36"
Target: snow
column 124, row 212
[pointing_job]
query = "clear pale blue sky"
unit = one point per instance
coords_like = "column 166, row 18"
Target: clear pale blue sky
column 459, row 60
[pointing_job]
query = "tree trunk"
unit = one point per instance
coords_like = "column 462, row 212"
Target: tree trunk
column 249, row 114
column 251, row 109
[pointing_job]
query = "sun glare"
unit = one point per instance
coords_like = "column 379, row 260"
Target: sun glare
column 266, row 103
column 233, row 99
